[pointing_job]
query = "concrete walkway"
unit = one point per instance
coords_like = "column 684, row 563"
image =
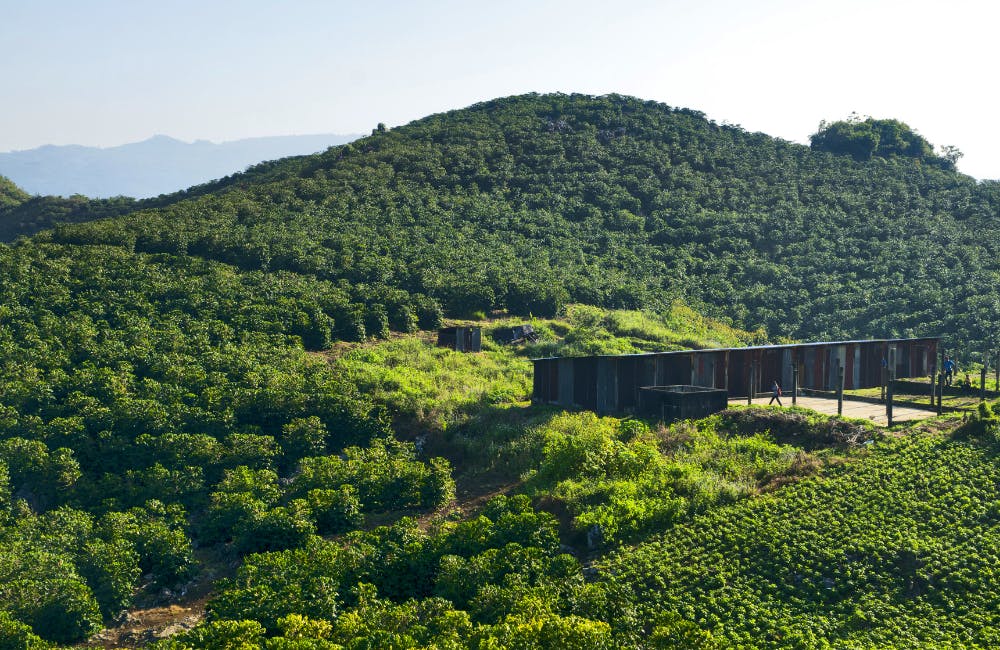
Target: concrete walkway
column 863, row 410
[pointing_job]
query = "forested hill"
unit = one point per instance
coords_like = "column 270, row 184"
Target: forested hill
column 530, row 202
column 10, row 194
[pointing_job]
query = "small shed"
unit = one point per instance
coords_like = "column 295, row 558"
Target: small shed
column 517, row 334
column 681, row 402
column 461, row 339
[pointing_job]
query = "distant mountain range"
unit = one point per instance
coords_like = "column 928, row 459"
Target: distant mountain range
column 159, row 165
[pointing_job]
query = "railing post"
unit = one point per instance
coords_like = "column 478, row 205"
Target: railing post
column 933, row 385
column 888, row 402
column 840, row 389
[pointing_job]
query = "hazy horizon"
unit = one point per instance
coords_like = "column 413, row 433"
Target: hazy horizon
column 157, row 165
column 167, row 136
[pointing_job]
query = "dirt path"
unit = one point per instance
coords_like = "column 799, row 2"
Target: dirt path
column 143, row 626
column 161, row 615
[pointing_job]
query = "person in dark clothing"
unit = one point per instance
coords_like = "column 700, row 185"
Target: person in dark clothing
column 776, row 393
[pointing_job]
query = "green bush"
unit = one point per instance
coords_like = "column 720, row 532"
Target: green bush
column 66, row 611
column 276, row 529
column 157, row 533
column 335, row 511
column 386, row 474
column 226, row 511
column 548, row 631
column 217, row 635
column 15, row 635
column 112, row 572
column 303, row 437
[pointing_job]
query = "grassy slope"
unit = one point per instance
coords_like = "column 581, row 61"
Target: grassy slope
column 433, row 388
column 472, row 409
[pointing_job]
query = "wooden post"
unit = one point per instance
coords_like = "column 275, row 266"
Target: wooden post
column 982, row 382
column 884, row 369
column 840, row 389
column 795, row 381
column 933, row 385
column 940, row 391
column 888, row 403
column 750, row 385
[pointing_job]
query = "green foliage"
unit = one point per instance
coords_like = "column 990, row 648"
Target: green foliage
column 183, row 360
column 434, row 387
column 386, row 476
column 398, row 562
column 11, row 194
column 5, row 494
column 595, row 331
column 35, row 472
column 869, row 137
column 335, row 510
column 15, row 635
column 21, row 214
column 890, row 551
column 618, row 480
column 275, row 529
column 111, row 569
column 552, row 632
column 41, row 588
column 303, row 437
column 218, row 635
column 158, row 534
column 62, row 573
column 984, row 424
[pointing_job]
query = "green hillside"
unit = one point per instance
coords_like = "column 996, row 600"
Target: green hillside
column 23, row 215
column 531, row 202
column 10, row 194
column 228, row 401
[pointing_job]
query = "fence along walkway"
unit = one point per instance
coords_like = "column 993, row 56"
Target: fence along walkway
column 852, row 409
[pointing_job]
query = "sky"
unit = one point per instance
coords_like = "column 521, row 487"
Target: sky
column 108, row 72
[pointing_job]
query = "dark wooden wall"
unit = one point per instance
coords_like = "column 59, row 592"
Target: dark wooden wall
column 611, row 384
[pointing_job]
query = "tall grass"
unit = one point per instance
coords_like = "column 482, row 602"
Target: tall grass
column 587, row 330
column 432, row 388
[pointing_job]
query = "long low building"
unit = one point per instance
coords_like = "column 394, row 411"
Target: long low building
column 611, row 384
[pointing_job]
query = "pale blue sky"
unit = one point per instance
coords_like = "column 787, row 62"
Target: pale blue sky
column 106, row 72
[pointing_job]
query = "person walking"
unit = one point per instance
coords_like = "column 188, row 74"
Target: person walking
column 949, row 370
column 776, row 393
